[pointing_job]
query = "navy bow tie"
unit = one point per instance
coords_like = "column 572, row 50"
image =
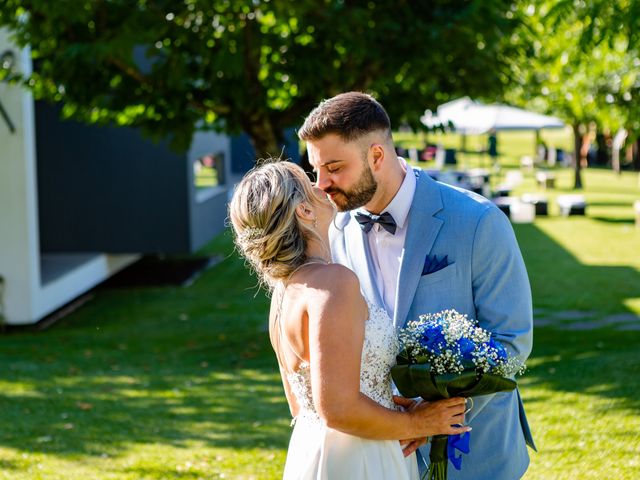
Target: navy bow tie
column 385, row 220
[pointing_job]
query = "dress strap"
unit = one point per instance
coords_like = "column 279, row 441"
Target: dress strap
column 278, row 321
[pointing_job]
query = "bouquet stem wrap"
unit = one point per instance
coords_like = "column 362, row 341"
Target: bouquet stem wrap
column 445, row 355
column 418, row 380
column 438, row 458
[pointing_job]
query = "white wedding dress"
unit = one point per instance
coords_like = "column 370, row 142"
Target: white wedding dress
column 317, row 452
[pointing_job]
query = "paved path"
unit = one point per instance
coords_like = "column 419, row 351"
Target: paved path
column 585, row 320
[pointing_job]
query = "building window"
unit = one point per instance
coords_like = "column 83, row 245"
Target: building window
column 208, row 170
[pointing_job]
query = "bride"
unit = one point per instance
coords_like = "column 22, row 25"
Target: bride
column 334, row 350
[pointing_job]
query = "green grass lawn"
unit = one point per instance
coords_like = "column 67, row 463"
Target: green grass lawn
column 147, row 383
column 163, row 383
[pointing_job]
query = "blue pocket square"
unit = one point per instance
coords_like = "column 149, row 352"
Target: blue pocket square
column 432, row 264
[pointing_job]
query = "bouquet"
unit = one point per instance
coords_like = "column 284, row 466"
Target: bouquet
column 446, row 355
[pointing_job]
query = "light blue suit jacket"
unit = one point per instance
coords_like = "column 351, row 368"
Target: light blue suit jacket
column 485, row 279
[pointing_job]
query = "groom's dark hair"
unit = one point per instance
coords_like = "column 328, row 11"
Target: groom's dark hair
column 349, row 115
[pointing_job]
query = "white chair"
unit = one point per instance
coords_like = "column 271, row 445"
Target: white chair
column 572, row 205
column 439, row 157
column 546, row 179
column 526, row 163
column 513, row 178
column 540, row 203
column 522, row 212
column 551, row 156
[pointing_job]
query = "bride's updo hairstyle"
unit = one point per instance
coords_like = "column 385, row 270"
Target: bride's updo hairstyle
column 263, row 215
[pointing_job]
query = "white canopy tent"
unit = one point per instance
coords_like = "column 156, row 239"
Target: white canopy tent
column 471, row 117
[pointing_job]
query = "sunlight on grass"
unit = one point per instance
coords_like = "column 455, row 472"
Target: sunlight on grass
column 157, row 383
column 633, row 304
column 594, row 244
column 582, row 404
column 583, row 437
column 19, row 390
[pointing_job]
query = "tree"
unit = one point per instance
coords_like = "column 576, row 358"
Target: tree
column 614, row 19
column 572, row 75
column 170, row 67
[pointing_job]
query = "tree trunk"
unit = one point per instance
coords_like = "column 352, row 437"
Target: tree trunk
column 577, row 156
column 264, row 138
column 635, row 152
column 258, row 124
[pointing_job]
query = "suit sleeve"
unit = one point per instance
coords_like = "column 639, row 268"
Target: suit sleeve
column 501, row 289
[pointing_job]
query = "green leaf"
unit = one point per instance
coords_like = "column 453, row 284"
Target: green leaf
column 419, row 381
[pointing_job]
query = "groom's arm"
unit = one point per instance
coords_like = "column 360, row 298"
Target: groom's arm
column 501, row 290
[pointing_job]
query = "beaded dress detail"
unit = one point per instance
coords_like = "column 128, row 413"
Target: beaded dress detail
column 378, row 356
column 317, row 452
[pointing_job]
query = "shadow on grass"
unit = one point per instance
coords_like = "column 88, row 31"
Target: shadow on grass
column 185, row 366
column 96, row 412
column 8, row 465
column 148, row 472
column 559, row 281
column 599, row 203
column 589, row 189
column 628, row 221
column 601, row 362
column 173, row 366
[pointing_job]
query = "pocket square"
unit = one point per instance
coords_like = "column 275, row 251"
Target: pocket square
column 432, row 264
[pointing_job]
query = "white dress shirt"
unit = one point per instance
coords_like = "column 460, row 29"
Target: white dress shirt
column 386, row 249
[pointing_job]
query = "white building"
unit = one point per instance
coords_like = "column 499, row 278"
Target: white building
column 62, row 235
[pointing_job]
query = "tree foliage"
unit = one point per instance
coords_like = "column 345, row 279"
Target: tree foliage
column 578, row 73
column 169, row 67
column 579, row 83
column 604, row 20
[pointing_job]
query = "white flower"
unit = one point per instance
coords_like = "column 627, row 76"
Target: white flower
column 450, row 342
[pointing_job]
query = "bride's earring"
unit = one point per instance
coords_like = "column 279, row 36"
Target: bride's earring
column 315, row 222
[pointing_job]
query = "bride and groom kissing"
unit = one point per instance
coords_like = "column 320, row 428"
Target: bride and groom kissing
column 371, row 245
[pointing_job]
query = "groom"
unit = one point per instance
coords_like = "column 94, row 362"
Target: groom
column 419, row 246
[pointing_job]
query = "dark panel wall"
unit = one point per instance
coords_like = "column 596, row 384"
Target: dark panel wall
column 208, row 218
column 107, row 189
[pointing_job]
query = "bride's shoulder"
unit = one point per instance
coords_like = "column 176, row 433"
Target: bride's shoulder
column 333, row 293
column 333, row 281
column 333, row 276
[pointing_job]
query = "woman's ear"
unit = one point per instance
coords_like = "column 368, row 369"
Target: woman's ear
column 304, row 212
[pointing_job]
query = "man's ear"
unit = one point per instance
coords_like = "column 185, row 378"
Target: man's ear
column 376, row 152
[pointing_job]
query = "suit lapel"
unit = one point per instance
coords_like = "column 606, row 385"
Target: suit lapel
column 361, row 262
column 422, row 232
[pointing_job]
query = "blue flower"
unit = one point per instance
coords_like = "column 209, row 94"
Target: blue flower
column 433, row 338
column 494, row 352
column 499, row 348
column 467, row 347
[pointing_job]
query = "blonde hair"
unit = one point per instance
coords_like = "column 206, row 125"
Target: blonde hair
column 263, row 215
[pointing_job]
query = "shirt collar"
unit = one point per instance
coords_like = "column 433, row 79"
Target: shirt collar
column 401, row 204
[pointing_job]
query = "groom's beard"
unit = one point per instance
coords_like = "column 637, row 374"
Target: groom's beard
column 360, row 194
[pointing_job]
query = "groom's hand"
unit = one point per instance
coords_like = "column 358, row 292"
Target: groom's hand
column 411, row 445
column 407, row 404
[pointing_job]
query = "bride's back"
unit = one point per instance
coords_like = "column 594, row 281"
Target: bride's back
column 316, row 288
column 289, row 325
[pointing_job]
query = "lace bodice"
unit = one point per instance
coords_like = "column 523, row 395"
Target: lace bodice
column 378, row 356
